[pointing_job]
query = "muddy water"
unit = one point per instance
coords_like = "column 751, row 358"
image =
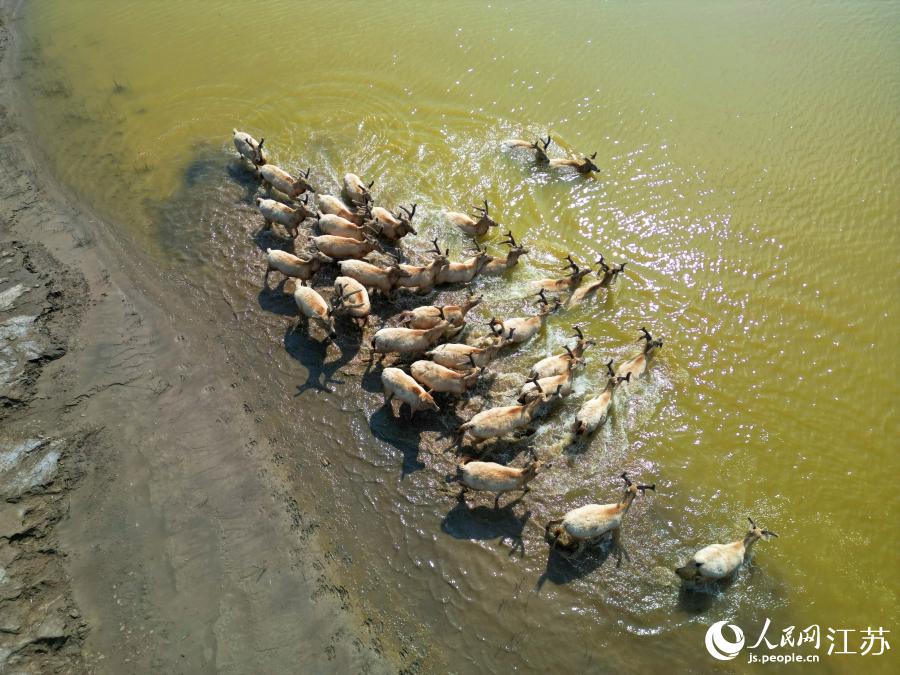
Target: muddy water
column 748, row 161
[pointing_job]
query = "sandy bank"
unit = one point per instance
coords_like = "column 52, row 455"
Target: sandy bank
column 144, row 526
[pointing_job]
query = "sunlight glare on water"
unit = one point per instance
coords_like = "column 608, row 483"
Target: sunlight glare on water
column 749, row 156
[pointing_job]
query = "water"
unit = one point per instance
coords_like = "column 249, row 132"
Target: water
column 748, row 157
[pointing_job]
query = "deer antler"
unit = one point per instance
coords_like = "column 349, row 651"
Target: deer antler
column 571, row 264
column 646, row 335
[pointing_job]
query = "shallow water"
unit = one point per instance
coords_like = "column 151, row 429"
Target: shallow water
column 748, row 157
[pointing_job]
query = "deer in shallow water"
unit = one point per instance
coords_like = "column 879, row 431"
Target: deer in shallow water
column 500, row 265
column 276, row 177
column 397, row 384
column 521, row 329
column 248, row 147
column 560, row 363
column 424, row 277
column 291, row 219
column 596, row 410
column 355, row 191
column 720, row 561
column 607, row 277
column 636, row 367
column 566, row 283
column 584, row 166
column 470, row 226
column 592, row 521
column 393, row 226
column 539, row 146
column 294, row 266
column 493, row 477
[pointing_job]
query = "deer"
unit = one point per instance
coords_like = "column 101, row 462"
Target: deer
column 423, row 278
column 493, row 477
column 428, row 315
column 521, row 329
column 313, row 306
column 393, row 226
column 398, row 384
column 248, row 147
column 281, row 180
column 636, row 367
column 566, row 283
column 294, row 266
column 463, row 272
column 594, row 413
column 331, row 204
column 720, row 561
column 373, row 276
column 277, row 212
column 539, row 146
column 406, row 340
column 608, row 276
column 559, row 363
column 330, row 223
column 437, row 378
column 497, row 422
column 540, row 388
column 456, row 356
column 352, row 299
column 344, row 248
column 355, row 191
column 584, row 166
column 591, row 522
column 497, row 265
column 470, row 226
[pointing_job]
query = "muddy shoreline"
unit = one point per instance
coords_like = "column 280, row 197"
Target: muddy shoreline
column 163, row 537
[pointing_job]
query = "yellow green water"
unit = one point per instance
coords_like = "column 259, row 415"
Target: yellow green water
column 749, row 156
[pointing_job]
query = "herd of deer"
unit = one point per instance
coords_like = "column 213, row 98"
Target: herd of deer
column 351, row 227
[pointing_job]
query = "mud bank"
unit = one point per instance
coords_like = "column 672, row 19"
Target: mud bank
column 144, row 526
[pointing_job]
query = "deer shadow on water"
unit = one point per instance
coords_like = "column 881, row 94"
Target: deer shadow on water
column 483, row 523
column 404, row 434
column 699, row 598
column 312, row 353
column 564, row 567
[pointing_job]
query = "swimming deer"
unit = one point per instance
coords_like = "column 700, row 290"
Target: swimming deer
column 595, row 411
column 373, row 276
column 566, row 283
column 559, row 363
column 407, row 340
column 277, row 212
column 592, row 521
column 441, row 379
column 521, row 329
column 720, row 561
column 355, row 191
column 313, row 306
column 294, row 266
column 493, row 477
column 393, row 226
column 497, row 422
column 470, row 226
column 284, row 182
column 398, row 384
column 248, row 147
column 500, row 265
column 539, row 146
column 583, row 166
column 608, row 276
column 463, row 272
column 352, row 299
column 423, row 278
column 637, row 366
column 331, row 204
column 428, row 316
column 541, row 388
column 457, row 356
column 344, row 248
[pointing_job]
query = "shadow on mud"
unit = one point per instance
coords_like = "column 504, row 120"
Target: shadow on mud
column 484, row 523
column 563, row 566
